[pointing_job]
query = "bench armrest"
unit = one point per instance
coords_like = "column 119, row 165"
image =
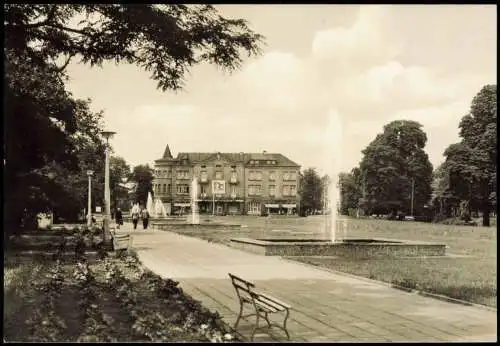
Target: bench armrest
column 272, row 299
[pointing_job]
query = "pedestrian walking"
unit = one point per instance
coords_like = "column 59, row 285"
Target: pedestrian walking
column 118, row 218
column 145, row 218
column 135, row 215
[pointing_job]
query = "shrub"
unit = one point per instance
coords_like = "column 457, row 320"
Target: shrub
column 458, row 221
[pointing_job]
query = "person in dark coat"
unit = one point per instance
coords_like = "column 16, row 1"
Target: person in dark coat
column 118, row 218
column 145, row 218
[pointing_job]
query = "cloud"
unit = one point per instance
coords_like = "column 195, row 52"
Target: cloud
column 393, row 86
column 275, row 81
column 356, row 70
column 362, row 44
column 280, row 101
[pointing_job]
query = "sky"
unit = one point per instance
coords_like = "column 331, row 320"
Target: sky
column 358, row 67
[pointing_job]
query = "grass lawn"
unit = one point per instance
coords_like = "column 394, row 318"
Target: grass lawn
column 468, row 273
column 111, row 300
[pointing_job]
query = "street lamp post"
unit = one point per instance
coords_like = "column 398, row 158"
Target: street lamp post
column 89, row 213
column 107, row 194
column 412, row 193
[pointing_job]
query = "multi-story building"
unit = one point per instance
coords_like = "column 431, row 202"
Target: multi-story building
column 228, row 183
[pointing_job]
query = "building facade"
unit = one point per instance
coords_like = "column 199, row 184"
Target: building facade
column 228, row 183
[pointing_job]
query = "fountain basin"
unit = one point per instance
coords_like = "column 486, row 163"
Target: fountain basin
column 350, row 248
column 171, row 225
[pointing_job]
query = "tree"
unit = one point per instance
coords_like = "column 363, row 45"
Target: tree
column 165, row 40
column 472, row 163
column 392, row 163
column 444, row 201
column 350, row 191
column 311, row 193
column 119, row 171
column 142, row 175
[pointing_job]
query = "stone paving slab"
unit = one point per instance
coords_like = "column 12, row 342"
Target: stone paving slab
column 326, row 306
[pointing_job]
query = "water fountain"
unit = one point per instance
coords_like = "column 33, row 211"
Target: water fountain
column 331, row 245
column 334, row 166
column 176, row 223
column 149, row 204
column 159, row 208
column 194, row 218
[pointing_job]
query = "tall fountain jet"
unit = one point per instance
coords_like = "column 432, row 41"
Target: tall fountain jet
column 159, row 209
column 334, row 165
column 149, row 204
column 195, row 216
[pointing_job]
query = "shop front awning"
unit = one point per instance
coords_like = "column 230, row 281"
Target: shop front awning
column 289, row 205
column 182, row 204
column 221, row 200
column 272, row 205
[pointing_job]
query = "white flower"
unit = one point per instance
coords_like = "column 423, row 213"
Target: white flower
column 203, row 326
column 228, row 336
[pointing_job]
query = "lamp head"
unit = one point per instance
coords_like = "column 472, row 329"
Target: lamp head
column 107, row 134
column 90, row 173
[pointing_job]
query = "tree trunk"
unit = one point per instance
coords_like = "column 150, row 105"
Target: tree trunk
column 486, row 214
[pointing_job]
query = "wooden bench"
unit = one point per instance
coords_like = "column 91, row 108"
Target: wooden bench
column 121, row 241
column 262, row 304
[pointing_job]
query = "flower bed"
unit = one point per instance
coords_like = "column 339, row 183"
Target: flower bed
column 111, row 299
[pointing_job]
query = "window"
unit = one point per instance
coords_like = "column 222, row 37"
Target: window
column 183, row 189
column 255, row 175
column 218, row 166
column 182, row 174
column 286, row 190
column 204, row 176
column 164, row 188
column 289, row 176
column 203, row 166
column 254, row 190
column 293, row 190
column 272, row 175
column 233, row 166
column 169, row 188
column 268, row 162
column 219, row 175
column 254, row 208
column 234, row 177
column 233, row 191
column 272, row 190
column 203, row 189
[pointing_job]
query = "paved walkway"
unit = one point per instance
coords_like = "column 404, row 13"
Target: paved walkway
column 326, row 306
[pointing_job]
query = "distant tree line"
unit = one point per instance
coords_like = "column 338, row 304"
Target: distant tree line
column 395, row 176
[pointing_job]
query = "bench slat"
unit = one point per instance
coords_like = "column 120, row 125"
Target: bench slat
column 270, row 303
column 122, row 238
column 236, row 278
column 243, row 288
column 274, row 300
column 264, row 306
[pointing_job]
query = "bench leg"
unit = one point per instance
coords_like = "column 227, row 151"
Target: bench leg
column 267, row 319
column 239, row 316
column 256, row 326
column 284, row 324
